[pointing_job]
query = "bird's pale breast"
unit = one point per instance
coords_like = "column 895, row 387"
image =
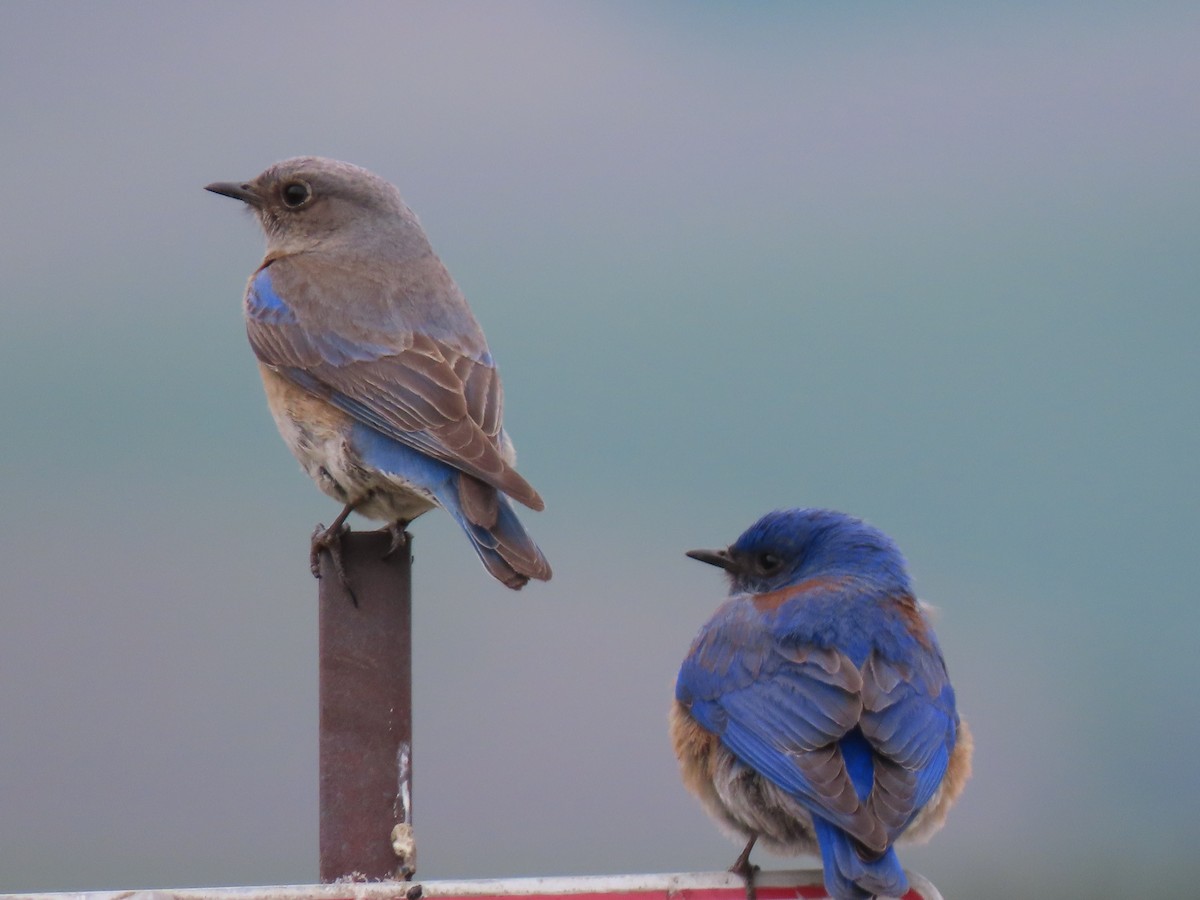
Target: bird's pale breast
column 316, row 433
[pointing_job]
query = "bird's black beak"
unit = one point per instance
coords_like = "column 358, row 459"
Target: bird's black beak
column 242, row 192
column 720, row 558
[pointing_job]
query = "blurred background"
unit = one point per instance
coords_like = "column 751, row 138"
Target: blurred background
column 935, row 265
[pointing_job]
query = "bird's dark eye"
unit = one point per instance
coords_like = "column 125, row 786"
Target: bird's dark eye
column 296, row 194
column 768, row 562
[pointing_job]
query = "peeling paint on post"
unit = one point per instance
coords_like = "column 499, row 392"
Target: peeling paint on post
column 366, row 712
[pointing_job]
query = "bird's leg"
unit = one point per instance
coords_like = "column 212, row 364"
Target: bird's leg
column 330, row 540
column 742, row 866
column 398, row 534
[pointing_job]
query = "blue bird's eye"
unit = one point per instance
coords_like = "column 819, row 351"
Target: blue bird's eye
column 296, row 194
column 767, row 562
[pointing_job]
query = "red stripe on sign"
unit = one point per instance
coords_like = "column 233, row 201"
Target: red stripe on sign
column 797, row 892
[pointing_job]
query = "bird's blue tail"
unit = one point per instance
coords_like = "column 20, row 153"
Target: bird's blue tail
column 850, row 877
column 851, row 872
column 483, row 512
column 498, row 536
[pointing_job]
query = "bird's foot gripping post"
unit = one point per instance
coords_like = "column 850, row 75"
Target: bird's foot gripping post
column 743, row 867
column 329, row 541
column 366, row 711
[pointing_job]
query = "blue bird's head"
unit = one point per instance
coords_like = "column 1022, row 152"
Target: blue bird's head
column 793, row 545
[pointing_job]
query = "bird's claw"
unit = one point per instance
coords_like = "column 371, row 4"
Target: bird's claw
column 329, row 540
column 399, row 537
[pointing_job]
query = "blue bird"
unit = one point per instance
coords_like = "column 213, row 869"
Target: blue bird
column 376, row 372
column 813, row 712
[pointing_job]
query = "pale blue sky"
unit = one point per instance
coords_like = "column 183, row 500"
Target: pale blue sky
column 933, row 266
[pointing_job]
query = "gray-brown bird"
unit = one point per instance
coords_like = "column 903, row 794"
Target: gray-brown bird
column 376, row 372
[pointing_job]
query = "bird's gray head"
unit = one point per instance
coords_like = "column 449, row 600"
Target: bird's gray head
column 790, row 545
column 310, row 202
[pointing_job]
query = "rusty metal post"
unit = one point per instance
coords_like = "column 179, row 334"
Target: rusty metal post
column 366, row 712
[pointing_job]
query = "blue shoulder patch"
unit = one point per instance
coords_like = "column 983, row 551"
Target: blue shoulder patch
column 264, row 305
column 267, row 308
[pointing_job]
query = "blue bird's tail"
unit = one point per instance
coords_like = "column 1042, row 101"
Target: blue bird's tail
column 852, row 872
column 482, row 511
column 848, row 876
column 495, row 532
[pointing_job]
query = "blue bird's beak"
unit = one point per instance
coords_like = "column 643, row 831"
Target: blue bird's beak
column 720, row 558
column 237, row 191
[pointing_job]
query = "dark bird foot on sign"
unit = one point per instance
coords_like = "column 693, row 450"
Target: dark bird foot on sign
column 399, row 536
column 742, row 866
column 329, row 540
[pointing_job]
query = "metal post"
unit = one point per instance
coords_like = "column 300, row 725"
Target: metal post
column 366, row 712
